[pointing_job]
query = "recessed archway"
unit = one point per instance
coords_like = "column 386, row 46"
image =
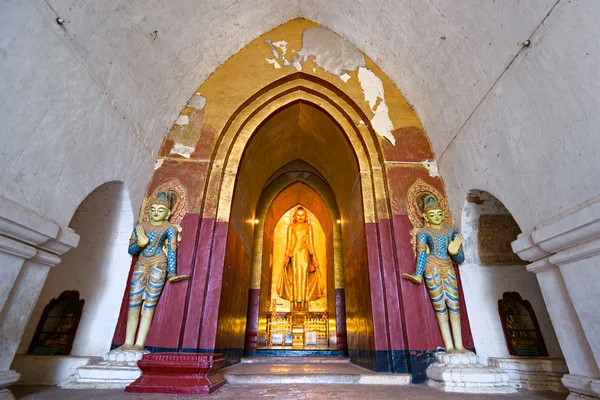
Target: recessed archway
column 492, row 269
column 97, row 269
column 237, row 136
column 303, row 132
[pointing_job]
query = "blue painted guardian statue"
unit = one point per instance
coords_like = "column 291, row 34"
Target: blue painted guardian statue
column 438, row 247
column 156, row 243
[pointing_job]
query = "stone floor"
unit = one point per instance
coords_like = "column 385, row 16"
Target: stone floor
column 306, row 370
column 300, row 391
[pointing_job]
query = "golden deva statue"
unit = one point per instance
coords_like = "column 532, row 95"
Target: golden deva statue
column 300, row 280
column 438, row 247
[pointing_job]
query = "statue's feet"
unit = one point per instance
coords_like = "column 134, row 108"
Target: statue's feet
column 137, row 347
column 462, row 350
column 452, row 351
column 124, row 347
column 412, row 278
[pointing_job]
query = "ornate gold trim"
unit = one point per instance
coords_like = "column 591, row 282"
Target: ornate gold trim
column 414, row 197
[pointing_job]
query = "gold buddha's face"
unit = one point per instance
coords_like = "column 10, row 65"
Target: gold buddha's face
column 434, row 217
column 300, row 216
column 159, row 213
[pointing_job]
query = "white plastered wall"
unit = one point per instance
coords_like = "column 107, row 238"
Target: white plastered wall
column 90, row 101
column 97, row 268
column 483, row 286
column 533, row 140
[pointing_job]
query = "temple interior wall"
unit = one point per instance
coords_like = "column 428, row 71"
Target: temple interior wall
column 359, row 312
column 233, row 307
column 99, row 130
column 97, row 269
column 82, row 105
column 536, row 124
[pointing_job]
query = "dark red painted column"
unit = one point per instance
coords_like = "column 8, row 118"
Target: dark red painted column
column 340, row 320
column 252, row 320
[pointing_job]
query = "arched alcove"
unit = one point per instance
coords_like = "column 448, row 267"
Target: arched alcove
column 298, row 138
column 98, row 270
column 250, row 124
column 491, row 269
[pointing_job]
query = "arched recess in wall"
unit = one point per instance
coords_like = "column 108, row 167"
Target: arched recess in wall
column 97, row 268
column 350, row 161
column 490, row 269
column 210, row 142
column 286, row 180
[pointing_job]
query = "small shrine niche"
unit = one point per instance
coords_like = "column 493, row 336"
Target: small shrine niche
column 56, row 330
column 521, row 329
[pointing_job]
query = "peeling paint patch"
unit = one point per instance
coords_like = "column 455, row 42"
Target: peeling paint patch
column 197, row 101
column 345, row 77
column 159, row 163
column 432, row 167
column 296, row 63
column 182, row 150
column 274, row 62
column 282, row 44
column 273, row 49
column 372, row 87
column 332, row 53
column 182, row 120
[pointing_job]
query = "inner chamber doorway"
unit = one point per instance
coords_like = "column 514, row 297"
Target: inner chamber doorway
column 298, row 157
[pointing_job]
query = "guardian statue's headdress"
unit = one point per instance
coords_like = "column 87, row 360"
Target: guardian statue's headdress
column 430, row 203
column 166, row 198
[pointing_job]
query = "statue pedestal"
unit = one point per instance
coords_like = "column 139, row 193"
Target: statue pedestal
column 179, row 373
column 464, row 374
column 117, row 370
column 539, row 373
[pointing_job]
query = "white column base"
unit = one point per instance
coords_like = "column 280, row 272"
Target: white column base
column 582, row 387
column 463, row 373
column 8, row 377
column 117, row 370
column 5, row 394
column 48, row 370
column 543, row 374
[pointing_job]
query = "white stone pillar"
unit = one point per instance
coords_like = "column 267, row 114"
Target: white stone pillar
column 579, row 267
column 18, row 308
column 568, row 329
column 566, row 251
column 29, row 247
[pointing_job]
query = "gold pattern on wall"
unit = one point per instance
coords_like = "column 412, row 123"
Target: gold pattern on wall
column 278, row 260
column 496, row 233
column 179, row 208
column 414, row 206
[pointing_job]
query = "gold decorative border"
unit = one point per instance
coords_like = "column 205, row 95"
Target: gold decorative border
column 179, row 209
column 415, row 195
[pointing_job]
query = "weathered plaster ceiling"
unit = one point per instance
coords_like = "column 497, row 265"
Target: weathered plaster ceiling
column 444, row 56
column 90, row 101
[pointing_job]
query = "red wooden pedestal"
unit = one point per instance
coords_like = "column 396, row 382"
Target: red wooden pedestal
column 181, row 373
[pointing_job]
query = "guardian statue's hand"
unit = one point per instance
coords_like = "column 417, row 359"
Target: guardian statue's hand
column 142, row 239
column 454, row 245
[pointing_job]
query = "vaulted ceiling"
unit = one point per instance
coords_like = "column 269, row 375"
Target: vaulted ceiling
column 101, row 90
column 150, row 56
